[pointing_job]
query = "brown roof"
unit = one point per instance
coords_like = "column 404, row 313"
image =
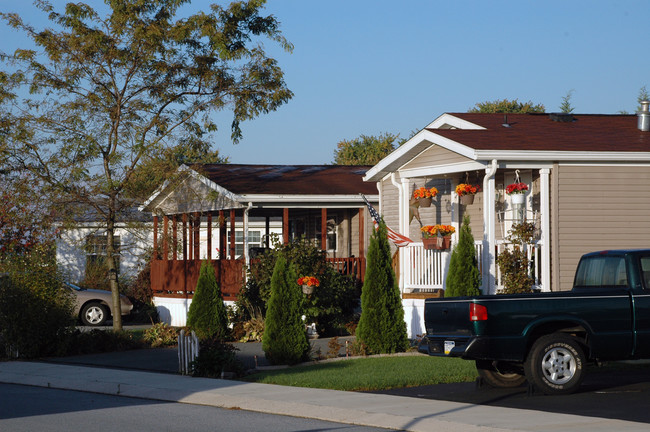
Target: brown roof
column 585, row 133
column 289, row 179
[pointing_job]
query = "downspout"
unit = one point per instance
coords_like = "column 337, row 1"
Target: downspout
column 402, row 257
column 489, row 235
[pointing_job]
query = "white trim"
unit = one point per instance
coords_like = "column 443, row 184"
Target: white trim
column 545, row 210
column 451, row 120
column 489, row 229
column 442, row 169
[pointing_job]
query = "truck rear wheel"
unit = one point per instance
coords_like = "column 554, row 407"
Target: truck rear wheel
column 500, row 374
column 555, row 364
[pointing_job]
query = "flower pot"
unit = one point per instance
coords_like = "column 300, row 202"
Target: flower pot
column 467, row 199
column 425, row 202
column 517, row 199
column 430, row 243
column 308, row 289
column 444, row 242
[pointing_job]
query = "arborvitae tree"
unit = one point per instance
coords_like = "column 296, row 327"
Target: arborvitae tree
column 285, row 339
column 381, row 328
column 463, row 278
column 207, row 315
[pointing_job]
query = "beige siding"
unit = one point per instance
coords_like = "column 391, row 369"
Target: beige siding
column 435, row 156
column 600, row 207
column 475, row 210
column 440, row 210
column 390, row 203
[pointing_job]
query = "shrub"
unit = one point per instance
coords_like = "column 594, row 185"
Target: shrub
column 207, row 315
column 36, row 316
column 381, row 327
column 161, row 335
column 216, row 357
column 285, row 339
column 463, row 278
column 98, row 341
column 515, row 264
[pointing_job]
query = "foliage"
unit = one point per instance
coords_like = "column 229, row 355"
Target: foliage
column 161, row 335
column 372, row 374
column 99, row 341
column 100, row 96
column 331, row 305
column 643, row 96
column 216, row 357
column 381, row 327
column 507, row 106
column 33, row 323
column 424, row 192
column 463, row 278
column 515, row 264
column 285, row 339
column 207, row 315
column 565, row 106
column 365, row 150
column 466, row 189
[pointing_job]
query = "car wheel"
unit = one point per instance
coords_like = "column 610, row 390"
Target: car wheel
column 556, row 364
column 94, row 314
column 500, row 374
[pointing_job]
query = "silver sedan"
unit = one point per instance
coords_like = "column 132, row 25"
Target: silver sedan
column 94, row 307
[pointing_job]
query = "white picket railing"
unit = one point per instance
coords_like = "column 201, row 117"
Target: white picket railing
column 188, row 351
column 533, row 252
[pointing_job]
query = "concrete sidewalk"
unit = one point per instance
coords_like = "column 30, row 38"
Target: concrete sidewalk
column 393, row 412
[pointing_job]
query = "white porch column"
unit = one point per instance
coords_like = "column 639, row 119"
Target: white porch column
column 246, row 257
column 545, row 210
column 489, row 230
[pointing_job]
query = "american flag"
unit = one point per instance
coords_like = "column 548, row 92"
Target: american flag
column 397, row 238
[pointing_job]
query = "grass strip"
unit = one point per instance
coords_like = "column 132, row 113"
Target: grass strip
column 375, row 373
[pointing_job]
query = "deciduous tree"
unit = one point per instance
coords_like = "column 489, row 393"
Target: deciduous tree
column 507, row 106
column 101, row 94
column 365, row 150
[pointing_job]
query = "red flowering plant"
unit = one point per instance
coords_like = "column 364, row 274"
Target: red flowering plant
column 466, row 189
column 431, row 231
column 516, row 188
column 309, row 281
column 425, row 192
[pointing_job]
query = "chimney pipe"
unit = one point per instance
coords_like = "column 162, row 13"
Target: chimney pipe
column 644, row 116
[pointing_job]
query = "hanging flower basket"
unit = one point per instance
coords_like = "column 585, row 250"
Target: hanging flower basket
column 437, row 236
column 517, row 192
column 444, row 242
column 425, row 195
column 517, row 199
column 466, row 193
column 308, row 284
column 430, row 243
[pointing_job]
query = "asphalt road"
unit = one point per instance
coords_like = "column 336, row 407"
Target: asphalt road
column 613, row 394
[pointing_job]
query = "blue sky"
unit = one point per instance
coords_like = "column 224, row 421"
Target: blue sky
column 368, row 67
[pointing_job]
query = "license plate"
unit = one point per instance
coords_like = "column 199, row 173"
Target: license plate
column 448, row 346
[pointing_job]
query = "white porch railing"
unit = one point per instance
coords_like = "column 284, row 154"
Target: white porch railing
column 426, row 270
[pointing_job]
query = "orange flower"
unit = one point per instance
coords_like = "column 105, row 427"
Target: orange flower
column 309, row 281
column 425, row 192
column 433, row 230
column 466, row 189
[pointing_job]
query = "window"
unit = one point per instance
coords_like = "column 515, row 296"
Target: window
column 96, row 253
column 601, row 271
column 331, row 233
column 254, row 240
column 644, row 264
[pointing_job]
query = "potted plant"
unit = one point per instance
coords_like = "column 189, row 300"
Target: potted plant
column 437, row 236
column 466, row 193
column 517, row 192
column 308, row 283
column 424, row 195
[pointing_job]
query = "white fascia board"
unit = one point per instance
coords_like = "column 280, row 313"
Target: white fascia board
column 458, row 123
column 443, row 169
column 308, row 201
column 426, row 137
column 528, row 155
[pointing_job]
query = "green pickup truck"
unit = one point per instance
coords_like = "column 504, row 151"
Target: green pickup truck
column 547, row 338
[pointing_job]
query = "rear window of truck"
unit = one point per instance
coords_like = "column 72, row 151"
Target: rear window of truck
column 602, row 272
column 644, row 264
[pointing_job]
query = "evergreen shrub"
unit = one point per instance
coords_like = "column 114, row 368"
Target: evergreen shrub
column 463, row 278
column 207, row 315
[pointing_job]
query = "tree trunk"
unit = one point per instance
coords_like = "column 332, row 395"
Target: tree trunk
column 112, row 270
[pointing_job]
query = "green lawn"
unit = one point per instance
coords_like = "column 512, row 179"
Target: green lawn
column 376, row 373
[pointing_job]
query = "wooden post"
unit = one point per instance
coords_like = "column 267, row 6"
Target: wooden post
column 197, row 234
column 285, row 226
column 155, row 237
column 165, row 238
column 222, row 234
column 185, row 254
column 267, row 241
column 232, row 234
column 362, row 234
column 209, row 237
column 175, row 237
column 323, row 229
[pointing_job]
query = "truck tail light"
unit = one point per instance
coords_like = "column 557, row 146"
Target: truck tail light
column 477, row 312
